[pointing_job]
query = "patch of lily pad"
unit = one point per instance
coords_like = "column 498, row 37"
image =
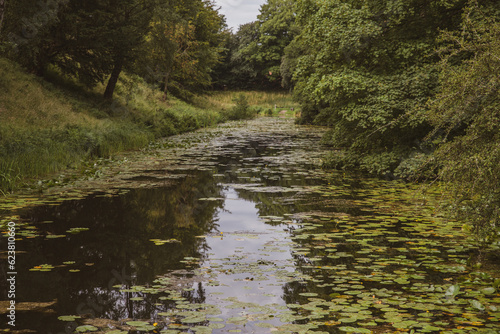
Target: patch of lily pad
column 365, row 255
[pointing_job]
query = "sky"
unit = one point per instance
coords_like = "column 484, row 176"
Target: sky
column 239, row 12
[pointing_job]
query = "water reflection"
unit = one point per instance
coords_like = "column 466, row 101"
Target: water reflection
column 116, row 249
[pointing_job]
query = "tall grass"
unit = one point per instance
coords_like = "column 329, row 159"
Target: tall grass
column 46, row 127
column 265, row 100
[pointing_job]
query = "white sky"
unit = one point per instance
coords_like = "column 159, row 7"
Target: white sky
column 239, row 12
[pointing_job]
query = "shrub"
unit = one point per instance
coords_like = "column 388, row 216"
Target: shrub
column 241, row 110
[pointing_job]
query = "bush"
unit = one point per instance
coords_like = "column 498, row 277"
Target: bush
column 241, row 110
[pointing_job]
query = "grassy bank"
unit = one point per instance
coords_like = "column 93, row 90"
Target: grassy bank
column 266, row 103
column 45, row 128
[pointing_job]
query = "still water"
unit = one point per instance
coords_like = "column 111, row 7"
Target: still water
column 237, row 229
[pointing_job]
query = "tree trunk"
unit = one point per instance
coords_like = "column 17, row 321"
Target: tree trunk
column 165, row 87
column 115, row 74
column 3, row 5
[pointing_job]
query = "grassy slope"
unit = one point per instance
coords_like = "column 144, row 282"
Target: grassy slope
column 44, row 129
column 276, row 101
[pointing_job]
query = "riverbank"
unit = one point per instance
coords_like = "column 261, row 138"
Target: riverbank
column 47, row 127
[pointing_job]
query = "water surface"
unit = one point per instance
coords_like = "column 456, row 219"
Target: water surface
column 237, row 229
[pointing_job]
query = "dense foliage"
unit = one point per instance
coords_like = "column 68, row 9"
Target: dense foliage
column 409, row 88
column 368, row 71
column 254, row 52
column 171, row 42
column 466, row 116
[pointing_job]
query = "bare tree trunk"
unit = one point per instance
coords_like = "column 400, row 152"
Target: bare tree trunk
column 165, row 87
column 3, row 5
column 115, row 74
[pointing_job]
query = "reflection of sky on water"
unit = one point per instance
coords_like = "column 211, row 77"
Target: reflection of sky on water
column 245, row 244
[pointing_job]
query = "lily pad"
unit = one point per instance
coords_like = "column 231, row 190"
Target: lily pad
column 477, row 305
column 86, row 328
column 137, row 323
column 68, row 317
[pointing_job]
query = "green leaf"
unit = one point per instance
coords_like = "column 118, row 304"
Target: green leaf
column 86, row 328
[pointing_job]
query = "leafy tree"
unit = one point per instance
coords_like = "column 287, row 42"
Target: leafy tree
column 128, row 26
column 87, row 39
column 367, row 64
column 243, row 47
column 277, row 29
column 94, row 40
column 28, row 29
column 466, row 116
column 184, row 46
column 254, row 53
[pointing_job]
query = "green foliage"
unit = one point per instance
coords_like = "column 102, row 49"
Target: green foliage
column 183, row 47
column 94, row 40
column 264, row 100
column 44, row 129
column 238, row 69
column 253, row 58
column 466, row 117
column 364, row 66
column 27, row 31
column 241, row 110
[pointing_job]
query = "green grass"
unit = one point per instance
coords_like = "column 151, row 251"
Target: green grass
column 264, row 101
column 47, row 127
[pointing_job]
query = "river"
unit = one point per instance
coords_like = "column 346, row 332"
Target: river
column 238, row 229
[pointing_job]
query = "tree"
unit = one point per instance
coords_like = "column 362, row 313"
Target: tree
column 184, row 46
column 129, row 24
column 254, row 52
column 466, row 117
column 28, row 30
column 243, row 65
column 3, row 5
column 277, row 29
column 367, row 64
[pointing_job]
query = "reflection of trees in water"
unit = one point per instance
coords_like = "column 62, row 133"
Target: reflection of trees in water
column 291, row 292
column 117, row 247
column 113, row 304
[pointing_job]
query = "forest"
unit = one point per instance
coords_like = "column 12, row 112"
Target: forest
column 408, row 88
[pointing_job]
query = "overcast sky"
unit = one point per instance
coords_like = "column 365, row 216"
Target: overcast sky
column 239, row 12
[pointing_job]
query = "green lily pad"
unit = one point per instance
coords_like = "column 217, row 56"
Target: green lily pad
column 452, row 291
column 137, row 323
column 308, row 294
column 477, row 305
column 86, row 328
column 68, row 317
column 355, row 330
column 488, row 291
